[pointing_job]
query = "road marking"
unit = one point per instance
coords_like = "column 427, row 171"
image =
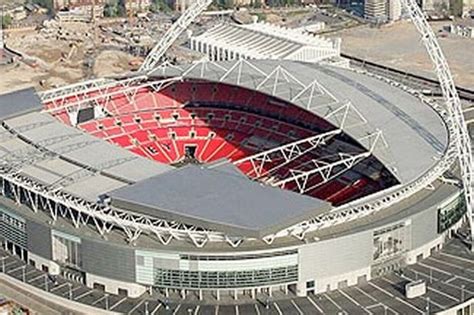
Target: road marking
column 421, row 273
column 396, row 297
column 450, row 264
column 59, row 286
column 76, row 288
column 454, row 276
column 315, row 305
column 156, row 309
column 277, row 308
column 375, row 305
column 256, row 309
column 353, row 300
column 117, row 303
column 9, row 264
column 444, row 294
column 176, row 309
column 196, row 311
column 297, row 307
column 15, row 269
column 135, row 307
column 236, row 310
column 436, row 268
column 30, row 272
column 459, row 258
column 430, row 301
column 36, row 278
column 83, row 295
column 98, row 300
column 216, row 310
column 333, row 302
column 383, row 306
column 366, row 294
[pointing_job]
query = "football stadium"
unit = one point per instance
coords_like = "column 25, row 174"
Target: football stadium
column 227, row 178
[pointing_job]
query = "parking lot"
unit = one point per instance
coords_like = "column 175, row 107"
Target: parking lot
column 449, row 276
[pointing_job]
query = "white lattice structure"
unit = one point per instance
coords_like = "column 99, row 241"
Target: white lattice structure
column 154, row 57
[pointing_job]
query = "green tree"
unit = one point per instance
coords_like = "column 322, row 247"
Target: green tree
column 159, row 5
column 6, row 21
column 114, row 8
column 48, row 4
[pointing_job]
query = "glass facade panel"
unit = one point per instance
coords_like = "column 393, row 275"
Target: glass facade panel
column 224, row 279
column 451, row 213
column 67, row 249
column 13, row 228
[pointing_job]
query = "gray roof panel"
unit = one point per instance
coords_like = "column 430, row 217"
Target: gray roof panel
column 18, row 103
column 217, row 200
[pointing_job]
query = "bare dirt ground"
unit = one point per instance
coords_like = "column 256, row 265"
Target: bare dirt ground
column 399, row 46
column 53, row 62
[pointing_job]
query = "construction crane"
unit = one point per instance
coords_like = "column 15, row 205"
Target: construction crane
column 178, row 27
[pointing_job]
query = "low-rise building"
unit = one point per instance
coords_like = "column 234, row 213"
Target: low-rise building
column 461, row 30
column 137, row 5
column 375, row 10
column 394, row 10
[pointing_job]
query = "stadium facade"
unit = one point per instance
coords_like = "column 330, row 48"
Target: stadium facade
column 228, row 177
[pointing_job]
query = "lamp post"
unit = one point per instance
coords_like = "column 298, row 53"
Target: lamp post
column 70, row 290
column 146, row 308
column 3, row 263
column 106, row 301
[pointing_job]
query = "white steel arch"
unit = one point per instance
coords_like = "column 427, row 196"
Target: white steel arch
column 178, row 27
column 453, row 103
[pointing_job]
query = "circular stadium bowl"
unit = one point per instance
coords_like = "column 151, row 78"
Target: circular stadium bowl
column 232, row 176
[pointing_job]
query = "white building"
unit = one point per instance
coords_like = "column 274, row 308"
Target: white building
column 263, row 41
column 394, row 10
column 375, row 10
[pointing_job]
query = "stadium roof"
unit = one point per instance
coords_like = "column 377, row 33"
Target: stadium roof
column 217, row 200
column 66, row 158
column 414, row 134
column 18, row 103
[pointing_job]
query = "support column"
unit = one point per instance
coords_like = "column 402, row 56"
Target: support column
column 200, row 295
column 218, row 295
column 235, row 294
column 301, row 289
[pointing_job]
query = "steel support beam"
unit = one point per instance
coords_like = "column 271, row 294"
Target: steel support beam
column 262, row 162
column 328, row 170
